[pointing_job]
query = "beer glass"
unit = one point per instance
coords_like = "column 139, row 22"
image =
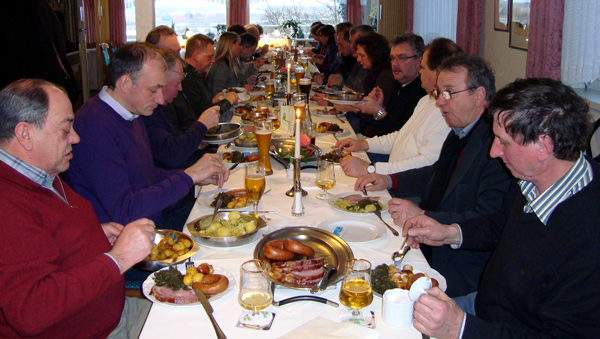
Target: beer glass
column 270, row 86
column 263, row 128
column 356, row 291
column 299, row 102
column 309, row 128
column 304, row 62
column 304, row 86
column 254, row 183
column 325, row 179
column 255, row 286
column 299, row 71
column 273, row 115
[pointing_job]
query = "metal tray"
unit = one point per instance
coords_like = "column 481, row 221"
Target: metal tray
column 223, row 131
column 289, row 144
column 204, row 222
column 333, row 248
column 155, row 265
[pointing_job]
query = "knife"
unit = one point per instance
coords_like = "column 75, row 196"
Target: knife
column 209, row 311
column 276, row 158
column 249, row 212
column 307, row 298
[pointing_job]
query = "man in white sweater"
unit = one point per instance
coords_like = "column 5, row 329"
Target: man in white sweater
column 419, row 141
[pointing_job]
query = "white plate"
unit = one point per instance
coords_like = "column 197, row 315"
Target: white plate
column 326, row 115
column 224, row 141
column 149, row 283
column 419, row 268
column 352, row 230
column 242, row 164
column 382, row 201
column 205, row 199
column 342, row 102
column 344, row 133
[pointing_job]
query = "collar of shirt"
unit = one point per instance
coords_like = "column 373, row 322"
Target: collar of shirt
column 579, row 176
column 462, row 132
column 110, row 101
column 35, row 174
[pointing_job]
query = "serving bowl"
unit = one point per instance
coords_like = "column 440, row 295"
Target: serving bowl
column 345, row 96
column 204, row 222
column 155, row 265
column 249, row 118
column 223, row 131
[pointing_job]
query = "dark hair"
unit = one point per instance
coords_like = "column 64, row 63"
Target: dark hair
column 260, row 29
column 342, row 26
column 24, row 100
column 154, row 35
column 441, row 49
column 129, row 60
column 479, row 73
column 361, row 29
column 376, row 47
column 327, row 31
column 316, row 23
column 237, row 28
column 528, row 108
column 345, row 34
column 314, row 28
column 170, row 57
column 248, row 40
column 198, row 42
column 415, row 41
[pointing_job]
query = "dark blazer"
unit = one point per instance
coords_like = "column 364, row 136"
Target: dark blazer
column 475, row 189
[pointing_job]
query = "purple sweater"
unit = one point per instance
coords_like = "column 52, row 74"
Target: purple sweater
column 112, row 167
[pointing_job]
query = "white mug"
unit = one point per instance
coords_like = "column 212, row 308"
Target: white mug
column 397, row 308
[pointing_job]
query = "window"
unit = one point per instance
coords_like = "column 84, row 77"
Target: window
column 433, row 19
column 130, row 19
column 189, row 17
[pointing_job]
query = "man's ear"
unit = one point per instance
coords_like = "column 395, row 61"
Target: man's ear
column 24, row 134
column 545, row 146
column 125, row 84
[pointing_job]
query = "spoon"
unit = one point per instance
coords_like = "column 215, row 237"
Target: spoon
column 398, row 256
column 217, row 205
column 324, row 280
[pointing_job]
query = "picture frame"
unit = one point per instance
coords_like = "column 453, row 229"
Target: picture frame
column 519, row 23
column 502, row 15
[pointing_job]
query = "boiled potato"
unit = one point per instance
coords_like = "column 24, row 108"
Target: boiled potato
column 233, row 216
column 250, row 226
column 223, row 231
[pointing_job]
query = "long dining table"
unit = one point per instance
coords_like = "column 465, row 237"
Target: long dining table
column 170, row 321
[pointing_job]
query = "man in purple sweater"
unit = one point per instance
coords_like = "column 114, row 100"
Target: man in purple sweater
column 113, row 166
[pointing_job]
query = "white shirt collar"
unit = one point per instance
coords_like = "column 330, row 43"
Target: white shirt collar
column 110, row 101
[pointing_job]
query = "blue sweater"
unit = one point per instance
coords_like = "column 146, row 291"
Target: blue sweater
column 112, row 167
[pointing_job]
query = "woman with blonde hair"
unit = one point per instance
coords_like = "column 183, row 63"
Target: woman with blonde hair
column 225, row 72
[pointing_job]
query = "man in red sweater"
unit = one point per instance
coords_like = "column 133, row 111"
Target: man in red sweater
column 62, row 271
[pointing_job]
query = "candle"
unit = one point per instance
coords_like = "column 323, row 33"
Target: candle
column 289, row 66
column 297, row 149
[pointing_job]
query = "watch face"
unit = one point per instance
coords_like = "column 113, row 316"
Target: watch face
column 371, row 169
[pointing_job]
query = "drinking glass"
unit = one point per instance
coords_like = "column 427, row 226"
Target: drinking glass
column 304, row 86
column 299, row 102
column 263, row 128
column 270, row 85
column 325, row 177
column 255, row 183
column 255, row 286
column 274, row 117
column 356, row 291
column 299, row 72
column 309, row 129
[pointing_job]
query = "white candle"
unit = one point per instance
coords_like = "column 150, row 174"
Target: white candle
column 297, row 149
column 289, row 66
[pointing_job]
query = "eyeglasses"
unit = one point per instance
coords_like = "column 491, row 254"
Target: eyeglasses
column 184, row 74
column 448, row 94
column 403, row 58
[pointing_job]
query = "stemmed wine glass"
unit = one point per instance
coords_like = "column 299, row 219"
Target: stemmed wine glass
column 356, row 291
column 255, row 286
column 325, row 177
column 255, row 183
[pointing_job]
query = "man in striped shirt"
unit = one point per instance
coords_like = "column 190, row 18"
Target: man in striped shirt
column 542, row 278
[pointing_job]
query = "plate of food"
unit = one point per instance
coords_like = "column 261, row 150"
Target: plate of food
column 335, row 156
column 243, row 158
column 247, row 140
column 170, row 247
column 328, row 112
column 233, row 199
column 244, row 109
column 168, row 286
column 386, row 276
column 285, row 150
column 228, row 229
column 357, row 204
column 327, row 128
column 297, row 256
column 354, row 231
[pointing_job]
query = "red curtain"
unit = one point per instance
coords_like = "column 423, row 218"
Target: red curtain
column 354, row 12
column 468, row 25
column 90, row 23
column 116, row 13
column 237, row 12
column 544, row 47
column 410, row 15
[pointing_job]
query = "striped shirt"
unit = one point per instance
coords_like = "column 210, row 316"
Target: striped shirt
column 574, row 181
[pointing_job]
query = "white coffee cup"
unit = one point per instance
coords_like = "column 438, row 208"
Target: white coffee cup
column 397, row 308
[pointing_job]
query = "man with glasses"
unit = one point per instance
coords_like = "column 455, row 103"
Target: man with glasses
column 465, row 182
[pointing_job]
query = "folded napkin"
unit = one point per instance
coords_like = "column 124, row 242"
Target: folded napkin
column 320, row 327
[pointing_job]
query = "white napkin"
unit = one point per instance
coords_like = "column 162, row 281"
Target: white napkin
column 320, row 327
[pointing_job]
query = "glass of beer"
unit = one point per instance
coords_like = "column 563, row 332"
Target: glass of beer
column 356, row 291
column 255, row 286
column 304, row 86
column 304, row 62
column 325, row 179
column 309, row 128
column 299, row 102
column 255, row 183
column 299, row 71
column 263, row 128
column 274, row 117
column 270, row 86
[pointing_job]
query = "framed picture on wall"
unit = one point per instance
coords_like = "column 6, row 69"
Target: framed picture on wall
column 519, row 23
column 501, row 15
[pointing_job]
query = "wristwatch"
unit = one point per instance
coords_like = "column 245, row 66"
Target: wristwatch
column 371, row 168
column 379, row 114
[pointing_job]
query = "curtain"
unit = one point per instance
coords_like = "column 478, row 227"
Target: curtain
column 545, row 39
column 410, row 14
column 118, row 33
column 354, row 12
column 435, row 18
column 90, row 23
column 581, row 51
column 468, row 25
column 237, row 12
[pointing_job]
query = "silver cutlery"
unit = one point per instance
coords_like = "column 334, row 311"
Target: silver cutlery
column 340, row 119
column 321, row 285
column 217, row 205
column 394, row 232
column 398, row 256
column 250, row 212
column 234, row 166
column 209, row 311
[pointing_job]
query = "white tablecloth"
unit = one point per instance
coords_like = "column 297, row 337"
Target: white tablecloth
column 166, row 321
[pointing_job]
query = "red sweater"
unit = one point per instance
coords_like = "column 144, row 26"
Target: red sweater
column 55, row 279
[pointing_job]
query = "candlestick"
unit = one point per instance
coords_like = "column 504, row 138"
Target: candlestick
column 289, row 66
column 297, row 149
column 298, row 206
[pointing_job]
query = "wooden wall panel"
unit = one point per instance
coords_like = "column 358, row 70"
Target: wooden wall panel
column 393, row 18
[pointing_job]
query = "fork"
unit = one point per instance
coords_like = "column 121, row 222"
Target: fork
column 189, row 264
column 340, row 119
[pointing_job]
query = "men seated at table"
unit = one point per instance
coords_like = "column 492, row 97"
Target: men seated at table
column 62, row 270
column 170, row 150
column 327, row 59
column 464, row 183
column 113, row 166
column 248, row 65
column 542, row 278
column 419, row 141
column 256, row 32
column 345, row 65
column 164, row 37
column 199, row 55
